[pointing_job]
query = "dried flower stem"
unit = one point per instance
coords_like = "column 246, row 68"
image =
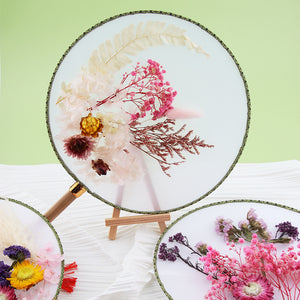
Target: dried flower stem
column 160, row 141
column 195, row 266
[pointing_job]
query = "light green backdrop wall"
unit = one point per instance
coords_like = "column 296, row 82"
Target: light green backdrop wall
column 263, row 36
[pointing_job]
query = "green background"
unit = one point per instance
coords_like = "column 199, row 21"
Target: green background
column 263, row 36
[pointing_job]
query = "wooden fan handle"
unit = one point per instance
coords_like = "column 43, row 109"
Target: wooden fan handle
column 75, row 191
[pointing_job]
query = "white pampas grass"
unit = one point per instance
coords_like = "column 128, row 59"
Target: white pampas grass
column 13, row 231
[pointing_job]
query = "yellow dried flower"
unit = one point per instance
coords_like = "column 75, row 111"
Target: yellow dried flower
column 25, row 275
column 90, row 126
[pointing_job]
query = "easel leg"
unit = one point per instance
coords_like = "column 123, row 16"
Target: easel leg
column 113, row 229
column 116, row 221
column 162, row 226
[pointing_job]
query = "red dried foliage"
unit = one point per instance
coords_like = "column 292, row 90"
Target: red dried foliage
column 160, row 141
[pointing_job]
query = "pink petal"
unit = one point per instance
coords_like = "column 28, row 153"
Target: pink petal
column 179, row 113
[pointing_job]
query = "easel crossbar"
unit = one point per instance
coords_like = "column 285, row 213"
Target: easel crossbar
column 137, row 219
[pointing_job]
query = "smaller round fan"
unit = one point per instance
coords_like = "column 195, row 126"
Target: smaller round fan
column 31, row 261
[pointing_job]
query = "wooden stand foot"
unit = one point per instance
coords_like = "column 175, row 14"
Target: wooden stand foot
column 116, row 221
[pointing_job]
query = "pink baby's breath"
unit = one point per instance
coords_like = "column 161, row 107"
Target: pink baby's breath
column 255, row 270
column 145, row 92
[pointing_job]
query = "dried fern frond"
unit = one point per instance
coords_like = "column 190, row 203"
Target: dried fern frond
column 114, row 55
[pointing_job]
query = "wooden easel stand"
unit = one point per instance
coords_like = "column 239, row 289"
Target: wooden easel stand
column 116, row 221
column 76, row 190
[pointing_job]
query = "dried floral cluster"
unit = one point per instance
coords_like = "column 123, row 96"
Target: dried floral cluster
column 251, row 225
column 146, row 90
column 254, row 272
column 103, row 125
column 29, row 278
column 287, row 229
column 143, row 96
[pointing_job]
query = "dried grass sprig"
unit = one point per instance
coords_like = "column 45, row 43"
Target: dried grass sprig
column 160, row 141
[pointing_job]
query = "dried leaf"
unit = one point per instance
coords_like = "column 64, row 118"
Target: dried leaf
column 139, row 29
column 103, row 53
column 117, row 42
column 109, row 48
column 94, row 63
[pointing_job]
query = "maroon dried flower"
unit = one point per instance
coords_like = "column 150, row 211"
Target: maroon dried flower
column 166, row 253
column 100, row 167
column 79, row 146
column 178, row 237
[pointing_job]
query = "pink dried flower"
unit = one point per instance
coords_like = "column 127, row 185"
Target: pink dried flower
column 281, row 270
column 202, row 248
column 226, row 228
column 255, row 274
column 253, row 225
column 251, row 215
column 253, row 288
column 79, row 146
column 47, row 257
column 7, row 293
column 243, row 224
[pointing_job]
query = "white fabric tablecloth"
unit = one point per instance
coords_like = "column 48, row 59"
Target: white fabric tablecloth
column 123, row 268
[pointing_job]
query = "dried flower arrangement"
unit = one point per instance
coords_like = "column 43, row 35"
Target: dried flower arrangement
column 255, row 271
column 30, row 278
column 106, row 130
column 29, row 274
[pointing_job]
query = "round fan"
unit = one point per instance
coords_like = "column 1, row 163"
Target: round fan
column 148, row 111
column 31, row 261
column 187, row 278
